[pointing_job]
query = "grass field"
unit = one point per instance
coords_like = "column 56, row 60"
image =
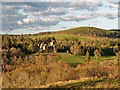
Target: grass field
column 62, row 36
column 69, row 58
column 74, row 60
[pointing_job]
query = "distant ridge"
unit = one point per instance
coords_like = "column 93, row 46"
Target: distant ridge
column 90, row 31
column 84, row 31
column 115, row 30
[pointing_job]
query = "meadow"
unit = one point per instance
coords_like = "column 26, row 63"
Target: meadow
column 75, row 60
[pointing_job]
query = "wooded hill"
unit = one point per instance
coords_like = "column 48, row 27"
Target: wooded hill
column 91, row 31
column 84, row 31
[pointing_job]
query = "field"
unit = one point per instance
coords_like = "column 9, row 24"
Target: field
column 74, row 60
column 62, row 36
column 80, row 59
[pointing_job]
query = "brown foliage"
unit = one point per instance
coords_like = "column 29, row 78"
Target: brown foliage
column 95, row 70
column 43, row 69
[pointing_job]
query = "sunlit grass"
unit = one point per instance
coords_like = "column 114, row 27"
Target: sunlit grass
column 62, row 36
column 74, row 60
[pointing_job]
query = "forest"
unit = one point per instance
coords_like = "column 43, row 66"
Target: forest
column 78, row 57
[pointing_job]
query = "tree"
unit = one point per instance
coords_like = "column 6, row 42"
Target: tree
column 7, row 41
column 30, row 47
column 21, row 37
column 87, row 56
column 118, row 56
column 116, row 49
column 82, row 50
column 75, row 49
column 97, row 54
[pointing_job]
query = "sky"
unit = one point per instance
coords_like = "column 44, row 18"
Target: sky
column 23, row 17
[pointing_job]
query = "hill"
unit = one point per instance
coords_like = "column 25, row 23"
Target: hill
column 84, row 31
column 90, row 31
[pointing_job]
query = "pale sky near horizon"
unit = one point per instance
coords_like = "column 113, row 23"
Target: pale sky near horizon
column 33, row 17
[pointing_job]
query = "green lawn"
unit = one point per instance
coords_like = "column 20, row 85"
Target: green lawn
column 103, row 58
column 69, row 58
column 66, row 57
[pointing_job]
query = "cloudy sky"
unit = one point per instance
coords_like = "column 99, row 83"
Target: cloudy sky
column 34, row 17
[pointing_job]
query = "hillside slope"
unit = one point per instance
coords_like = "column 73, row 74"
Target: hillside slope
column 90, row 31
column 82, row 31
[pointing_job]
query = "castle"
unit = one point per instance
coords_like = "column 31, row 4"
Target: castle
column 48, row 47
